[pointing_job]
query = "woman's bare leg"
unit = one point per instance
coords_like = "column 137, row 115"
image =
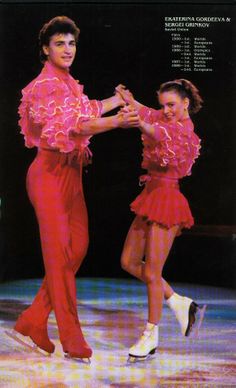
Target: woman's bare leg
column 134, row 251
column 134, row 248
column 132, row 261
column 159, row 243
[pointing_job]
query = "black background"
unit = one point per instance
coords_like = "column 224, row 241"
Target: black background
column 122, row 43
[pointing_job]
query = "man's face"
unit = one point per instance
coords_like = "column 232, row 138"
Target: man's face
column 61, row 50
column 173, row 105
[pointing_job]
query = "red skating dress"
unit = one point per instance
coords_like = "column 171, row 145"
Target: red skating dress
column 167, row 158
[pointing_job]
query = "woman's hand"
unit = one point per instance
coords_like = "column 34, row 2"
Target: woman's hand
column 120, row 100
column 125, row 94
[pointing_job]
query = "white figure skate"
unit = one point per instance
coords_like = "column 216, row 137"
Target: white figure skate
column 185, row 310
column 146, row 345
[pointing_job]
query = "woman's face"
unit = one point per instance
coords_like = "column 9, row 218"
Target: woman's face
column 174, row 107
column 61, row 50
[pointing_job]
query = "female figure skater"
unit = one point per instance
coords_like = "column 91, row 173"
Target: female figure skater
column 170, row 149
column 59, row 119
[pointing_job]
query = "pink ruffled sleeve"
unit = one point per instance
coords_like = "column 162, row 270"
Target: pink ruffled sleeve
column 182, row 149
column 53, row 111
column 154, row 117
column 148, row 114
column 175, row 146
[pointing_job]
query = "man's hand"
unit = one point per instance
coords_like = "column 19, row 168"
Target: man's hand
column 128, row 118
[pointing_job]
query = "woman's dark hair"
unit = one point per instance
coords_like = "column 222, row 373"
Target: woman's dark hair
column 57, row 25
column 184, row 88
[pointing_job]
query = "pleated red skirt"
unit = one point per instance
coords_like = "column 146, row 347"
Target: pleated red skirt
column 162, row 202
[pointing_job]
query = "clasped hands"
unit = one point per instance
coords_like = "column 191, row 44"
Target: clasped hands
column 128, row 115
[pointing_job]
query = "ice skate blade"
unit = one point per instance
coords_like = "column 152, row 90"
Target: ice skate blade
column 193, row 320
column 201, row 310
column 26, row 342
column 77, row 359
column 132, row 358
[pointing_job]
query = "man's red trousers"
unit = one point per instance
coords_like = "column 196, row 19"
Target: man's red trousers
column 54, row 185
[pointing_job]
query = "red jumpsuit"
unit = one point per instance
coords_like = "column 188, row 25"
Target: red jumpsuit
column 51, row 110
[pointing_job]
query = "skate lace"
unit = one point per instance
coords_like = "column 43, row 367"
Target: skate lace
column 146, row 334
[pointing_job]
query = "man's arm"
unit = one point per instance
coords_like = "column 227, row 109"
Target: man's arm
column 112, row 103
column 104, row 124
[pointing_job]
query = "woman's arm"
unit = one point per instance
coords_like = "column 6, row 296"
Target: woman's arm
column 122, row 97
column 128, row 97
column 151, row 130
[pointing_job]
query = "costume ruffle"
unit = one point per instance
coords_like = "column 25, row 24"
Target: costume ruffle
column 175, row 145
column 52, row 109
column 166, row 206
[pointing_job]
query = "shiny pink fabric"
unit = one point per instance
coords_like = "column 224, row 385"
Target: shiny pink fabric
column 52, row 108
column 167, row 158
column 175, row 147
column 162, row 202
column 51, row 111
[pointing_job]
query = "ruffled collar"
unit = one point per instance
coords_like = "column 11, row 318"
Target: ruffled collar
column 63, row 75
column 185, row 126
column 60, row 73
